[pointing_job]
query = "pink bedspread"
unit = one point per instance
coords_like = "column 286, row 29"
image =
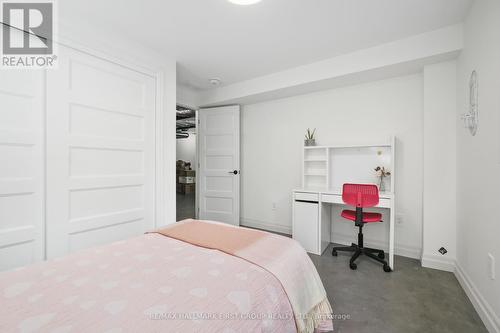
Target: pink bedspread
column 149, row 283
column 283, row 257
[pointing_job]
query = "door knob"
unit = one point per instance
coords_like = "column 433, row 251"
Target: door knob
column 235, row 172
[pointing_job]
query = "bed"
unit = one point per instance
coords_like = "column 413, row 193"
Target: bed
column 161, row 282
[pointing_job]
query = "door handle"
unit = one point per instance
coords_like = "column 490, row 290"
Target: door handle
column 235, row 172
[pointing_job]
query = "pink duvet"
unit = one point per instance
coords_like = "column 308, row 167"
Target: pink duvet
column 149, row 283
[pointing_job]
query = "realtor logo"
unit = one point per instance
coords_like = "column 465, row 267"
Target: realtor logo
column 33, row 18
column 27, row 31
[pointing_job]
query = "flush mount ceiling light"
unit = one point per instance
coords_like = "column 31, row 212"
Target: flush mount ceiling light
column 215, row 81
column 244, row 2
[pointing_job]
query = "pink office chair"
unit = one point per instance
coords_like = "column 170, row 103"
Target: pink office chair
column 361, row 196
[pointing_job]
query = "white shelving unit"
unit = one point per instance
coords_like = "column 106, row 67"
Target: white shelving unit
column 315, row 167
column 328, row 167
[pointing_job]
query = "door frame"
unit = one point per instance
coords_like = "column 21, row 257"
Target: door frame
column 196, row 164
column 197, row 168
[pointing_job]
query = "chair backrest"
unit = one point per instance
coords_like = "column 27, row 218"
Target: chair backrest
column 360, row 195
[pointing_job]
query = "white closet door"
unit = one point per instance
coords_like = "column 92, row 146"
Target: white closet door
column 100, row 152
column 21, row 167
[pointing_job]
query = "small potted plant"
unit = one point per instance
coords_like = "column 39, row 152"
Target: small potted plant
column 382, row 173
column 310, row 140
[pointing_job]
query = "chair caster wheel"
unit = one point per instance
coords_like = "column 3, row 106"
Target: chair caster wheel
column 334, row 253
column 381, row 255
column 387, row 269
column 353, row 266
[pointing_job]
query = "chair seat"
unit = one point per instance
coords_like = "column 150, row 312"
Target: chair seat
column 367, row 217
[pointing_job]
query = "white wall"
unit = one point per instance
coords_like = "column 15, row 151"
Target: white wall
column 272, row 140
column 187, row 96
column 478, row 177
column 186, row 149
column 439, row 217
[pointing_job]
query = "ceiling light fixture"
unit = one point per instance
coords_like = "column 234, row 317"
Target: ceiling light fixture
column 244, row 2
column 215, row 81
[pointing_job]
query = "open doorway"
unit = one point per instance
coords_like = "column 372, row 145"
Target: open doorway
column 186, row 163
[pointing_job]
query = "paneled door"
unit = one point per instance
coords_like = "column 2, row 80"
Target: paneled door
column 21, row 167
column 100, row 152
column 219, row 169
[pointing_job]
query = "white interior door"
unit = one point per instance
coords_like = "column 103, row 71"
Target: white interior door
column 219, row 164
column 21, row 167
column 100, row 152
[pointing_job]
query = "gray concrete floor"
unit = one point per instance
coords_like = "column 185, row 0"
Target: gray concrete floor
column 185, row 206
column 410, row 299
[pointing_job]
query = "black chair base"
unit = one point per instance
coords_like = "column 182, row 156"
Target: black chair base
column 375, row 254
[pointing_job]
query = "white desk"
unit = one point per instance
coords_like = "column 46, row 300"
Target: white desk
column 312, row 222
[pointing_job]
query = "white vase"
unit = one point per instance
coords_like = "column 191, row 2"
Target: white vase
column 381, row 186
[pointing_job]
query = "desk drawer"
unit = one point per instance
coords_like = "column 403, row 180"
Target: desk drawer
column 332, row 198
column 337, row 199
column 384, row 203
column 303, row 196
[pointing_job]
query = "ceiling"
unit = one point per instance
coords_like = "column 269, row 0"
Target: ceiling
column 214, row 38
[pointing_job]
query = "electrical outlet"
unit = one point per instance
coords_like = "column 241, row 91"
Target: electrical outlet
column 400, row 220
column 491, row 264
column 274, row 205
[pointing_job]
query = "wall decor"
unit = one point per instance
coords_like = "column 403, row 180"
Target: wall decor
column 471, row 118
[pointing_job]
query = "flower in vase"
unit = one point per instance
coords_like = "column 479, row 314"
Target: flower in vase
column 381, row 173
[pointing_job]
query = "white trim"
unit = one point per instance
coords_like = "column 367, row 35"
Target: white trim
column 483, row 308
column 399, row 249
column 168, row 149
column 438, row 262
column 197, row 167
column 160, row 161
column 266, row 226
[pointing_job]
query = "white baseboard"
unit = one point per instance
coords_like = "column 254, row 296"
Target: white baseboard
column 266, row 226
column 438, row 262
column 400, row 250
column 483, row 308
